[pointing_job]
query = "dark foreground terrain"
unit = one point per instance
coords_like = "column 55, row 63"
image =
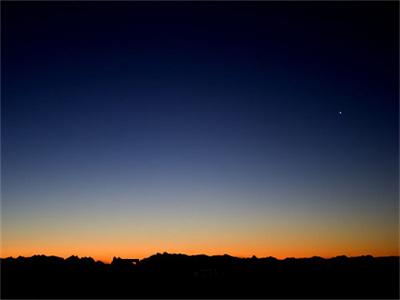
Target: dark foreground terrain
column 200, row 276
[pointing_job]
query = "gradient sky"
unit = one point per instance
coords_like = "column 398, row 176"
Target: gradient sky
column 249, row 129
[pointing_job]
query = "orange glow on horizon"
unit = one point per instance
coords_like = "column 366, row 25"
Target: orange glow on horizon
column 106, row 256
column 241, row 235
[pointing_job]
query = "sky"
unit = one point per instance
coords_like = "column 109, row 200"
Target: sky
column 267, row 129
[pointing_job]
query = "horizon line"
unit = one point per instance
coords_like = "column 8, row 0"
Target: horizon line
column 216, row 255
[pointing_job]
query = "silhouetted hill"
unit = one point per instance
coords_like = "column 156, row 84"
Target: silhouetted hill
column 200, row 276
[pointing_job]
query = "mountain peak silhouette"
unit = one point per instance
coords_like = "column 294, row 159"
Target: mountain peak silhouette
column 200, row 276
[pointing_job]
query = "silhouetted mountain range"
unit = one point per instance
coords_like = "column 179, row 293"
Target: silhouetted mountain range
column 200, row 276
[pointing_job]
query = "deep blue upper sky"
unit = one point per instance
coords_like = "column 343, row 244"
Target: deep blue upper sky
column 290, row 106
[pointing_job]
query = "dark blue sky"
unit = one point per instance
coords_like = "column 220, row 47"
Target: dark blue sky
column 233, row 108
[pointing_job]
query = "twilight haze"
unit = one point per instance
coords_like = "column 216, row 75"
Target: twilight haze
column 267, row 129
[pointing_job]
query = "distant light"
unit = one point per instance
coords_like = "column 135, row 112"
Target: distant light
column 340, row 112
